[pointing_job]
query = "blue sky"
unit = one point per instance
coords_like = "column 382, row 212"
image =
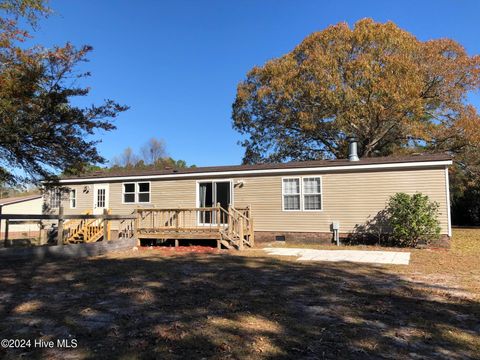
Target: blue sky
column 177, row 63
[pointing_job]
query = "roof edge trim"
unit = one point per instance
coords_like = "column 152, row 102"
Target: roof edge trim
column 358, row 167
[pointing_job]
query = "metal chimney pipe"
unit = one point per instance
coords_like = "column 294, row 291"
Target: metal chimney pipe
column 352, row 149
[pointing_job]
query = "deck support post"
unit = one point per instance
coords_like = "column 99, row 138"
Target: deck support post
column 7, row 223
column 219, row 245
column 240, row 246
column 60, row 226
column 1, row 207
column 230, row 230
column 251, row 231
column 252, row 234
column 135, row 226
column 105, row 226
column 219, row 218
column 176, row 243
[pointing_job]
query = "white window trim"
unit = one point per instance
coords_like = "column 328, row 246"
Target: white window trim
column 299, row 178
column 53, row 194
column 136, row 193
column 320, row 193
column 197, row 193
column 302, row 205
column 73, row 198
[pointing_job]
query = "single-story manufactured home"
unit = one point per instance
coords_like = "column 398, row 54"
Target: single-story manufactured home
column 287, row 201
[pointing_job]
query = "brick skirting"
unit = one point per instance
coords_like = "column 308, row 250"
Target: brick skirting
column 322, row 238
column 20, row 235
column 295, row 237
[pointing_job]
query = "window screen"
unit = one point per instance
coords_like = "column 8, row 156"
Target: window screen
column 312, row 193
column 291, row 194
column 55, row 198
column 73, row 198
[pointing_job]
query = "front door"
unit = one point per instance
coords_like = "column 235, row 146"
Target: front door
column 100, row 198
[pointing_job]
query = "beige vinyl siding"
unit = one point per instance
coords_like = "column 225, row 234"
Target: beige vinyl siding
column 25, row 207
column 163, row 194
column 348, row 197
column 84, row 199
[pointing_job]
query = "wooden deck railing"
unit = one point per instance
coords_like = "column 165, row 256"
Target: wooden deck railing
column 208, row 219
column 232, row 224
column 230, row 227
column 65, row 227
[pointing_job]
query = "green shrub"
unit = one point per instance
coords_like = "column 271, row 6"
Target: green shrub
column 412, row 219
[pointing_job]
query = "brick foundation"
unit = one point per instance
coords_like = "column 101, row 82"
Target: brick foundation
column 20, row 234
column 323, row 238
column 295, row 237
column 443, row 242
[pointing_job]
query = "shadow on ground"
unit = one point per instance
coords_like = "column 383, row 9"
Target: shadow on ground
column 223, row 306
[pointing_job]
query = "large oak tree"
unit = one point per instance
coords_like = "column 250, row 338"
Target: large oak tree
column 374, row 81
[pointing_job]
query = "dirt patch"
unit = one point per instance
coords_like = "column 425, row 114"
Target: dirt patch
column 171, row 304
column 169, row 250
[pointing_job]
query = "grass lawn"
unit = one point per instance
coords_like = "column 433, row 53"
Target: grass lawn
column 159, row 304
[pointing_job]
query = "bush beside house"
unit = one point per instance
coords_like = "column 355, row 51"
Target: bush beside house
column 413, row 219
column 407, row 221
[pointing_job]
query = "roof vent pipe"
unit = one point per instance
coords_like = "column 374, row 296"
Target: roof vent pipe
column 352, row 149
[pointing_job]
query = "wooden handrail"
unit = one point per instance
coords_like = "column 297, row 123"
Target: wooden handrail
column 176, row 209
column 63, row 217
column 233, row 224
column 240, row 214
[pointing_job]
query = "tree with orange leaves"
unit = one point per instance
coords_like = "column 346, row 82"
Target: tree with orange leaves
column 375, row 81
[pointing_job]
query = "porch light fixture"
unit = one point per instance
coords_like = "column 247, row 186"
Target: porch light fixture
column 240, row 183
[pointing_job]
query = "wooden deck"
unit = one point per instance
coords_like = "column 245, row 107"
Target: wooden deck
column 232, row 227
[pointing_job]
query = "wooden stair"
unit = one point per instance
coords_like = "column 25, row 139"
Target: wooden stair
column 239, row 230
column 83, row 230
column 232, row 228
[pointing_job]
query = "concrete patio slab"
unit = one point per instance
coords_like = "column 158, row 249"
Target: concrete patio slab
column 359, row 256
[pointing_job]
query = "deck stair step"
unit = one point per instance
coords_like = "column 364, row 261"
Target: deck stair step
column 226, row 244
column 84, row 230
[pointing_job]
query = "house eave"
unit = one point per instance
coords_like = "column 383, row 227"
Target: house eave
column 322, row 169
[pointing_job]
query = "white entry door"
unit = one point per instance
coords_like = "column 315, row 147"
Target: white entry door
column 100, row 198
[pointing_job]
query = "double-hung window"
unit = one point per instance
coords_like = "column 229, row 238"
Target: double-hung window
column 291, row 194
column 55, row 198
column 73, row 198
column 143, row 192
column 302, row 193
column 136, row 192
column 129, row 192
column 312, row 193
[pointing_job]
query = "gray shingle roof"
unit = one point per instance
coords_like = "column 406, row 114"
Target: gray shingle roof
column 288, row 165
